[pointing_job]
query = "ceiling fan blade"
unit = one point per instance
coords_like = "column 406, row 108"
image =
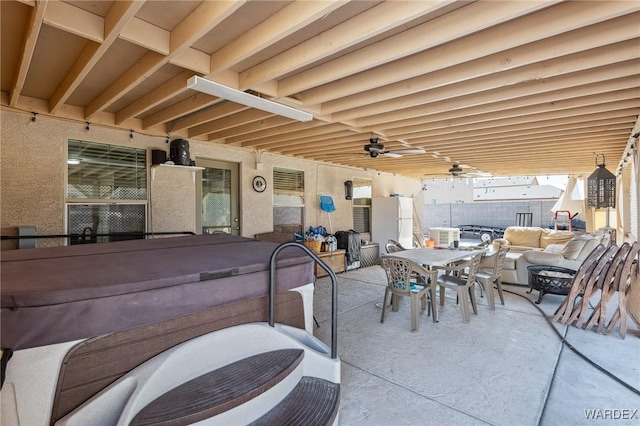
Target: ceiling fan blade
column 408, row 151
column 392, row 154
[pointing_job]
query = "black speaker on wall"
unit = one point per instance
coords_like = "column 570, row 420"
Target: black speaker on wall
column 158, row 156
column 179, row 152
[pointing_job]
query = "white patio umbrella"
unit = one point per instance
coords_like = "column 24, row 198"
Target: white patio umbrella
column 571, row 200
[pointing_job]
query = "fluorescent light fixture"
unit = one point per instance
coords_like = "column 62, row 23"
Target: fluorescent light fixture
column 225, row 92
column 73, row 161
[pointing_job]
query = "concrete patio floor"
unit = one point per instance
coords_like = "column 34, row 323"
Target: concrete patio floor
column 504, row 367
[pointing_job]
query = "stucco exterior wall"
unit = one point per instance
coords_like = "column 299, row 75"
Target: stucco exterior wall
column 32, row 173
column 33, row 179
column 173, row 199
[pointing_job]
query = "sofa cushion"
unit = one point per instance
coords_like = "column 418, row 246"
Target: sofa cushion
column 591, row 242
column 579, row 247
column 554, row 248
column 487, row 262
column 510, row 261
column 522, row 249
column 543, row 258
column 573, row 247
column 523, row 236
column 554, row 237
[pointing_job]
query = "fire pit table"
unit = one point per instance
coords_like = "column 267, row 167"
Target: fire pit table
column 550, row 279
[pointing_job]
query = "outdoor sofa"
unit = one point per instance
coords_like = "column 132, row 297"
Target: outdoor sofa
column 540, row 246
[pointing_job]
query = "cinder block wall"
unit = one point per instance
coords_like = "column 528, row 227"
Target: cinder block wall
column 500, row 214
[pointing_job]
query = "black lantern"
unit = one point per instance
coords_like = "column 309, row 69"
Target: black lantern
column 601, row 187
column 348, row 189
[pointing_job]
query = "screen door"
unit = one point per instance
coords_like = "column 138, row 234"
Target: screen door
column 219, row 197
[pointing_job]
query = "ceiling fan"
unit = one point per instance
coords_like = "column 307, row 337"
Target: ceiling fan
column 374, row 148
column 458, row 170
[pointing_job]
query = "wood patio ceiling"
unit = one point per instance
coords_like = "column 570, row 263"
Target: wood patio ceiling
column 509, row 87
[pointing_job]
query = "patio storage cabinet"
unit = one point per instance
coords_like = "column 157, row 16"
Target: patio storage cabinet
column 334, row 259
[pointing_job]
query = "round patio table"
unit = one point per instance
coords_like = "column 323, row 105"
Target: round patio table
column 550, row 279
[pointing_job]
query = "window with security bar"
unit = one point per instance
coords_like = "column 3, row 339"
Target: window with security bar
column 103, row 223
column 362, row 205
column 288, row 197
column 106, row 192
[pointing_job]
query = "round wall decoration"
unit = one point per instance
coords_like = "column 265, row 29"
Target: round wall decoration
column 259, row 184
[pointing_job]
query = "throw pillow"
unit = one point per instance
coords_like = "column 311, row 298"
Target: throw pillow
column 573, row 247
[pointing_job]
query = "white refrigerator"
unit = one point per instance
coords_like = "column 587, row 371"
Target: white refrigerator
column 392, row 219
